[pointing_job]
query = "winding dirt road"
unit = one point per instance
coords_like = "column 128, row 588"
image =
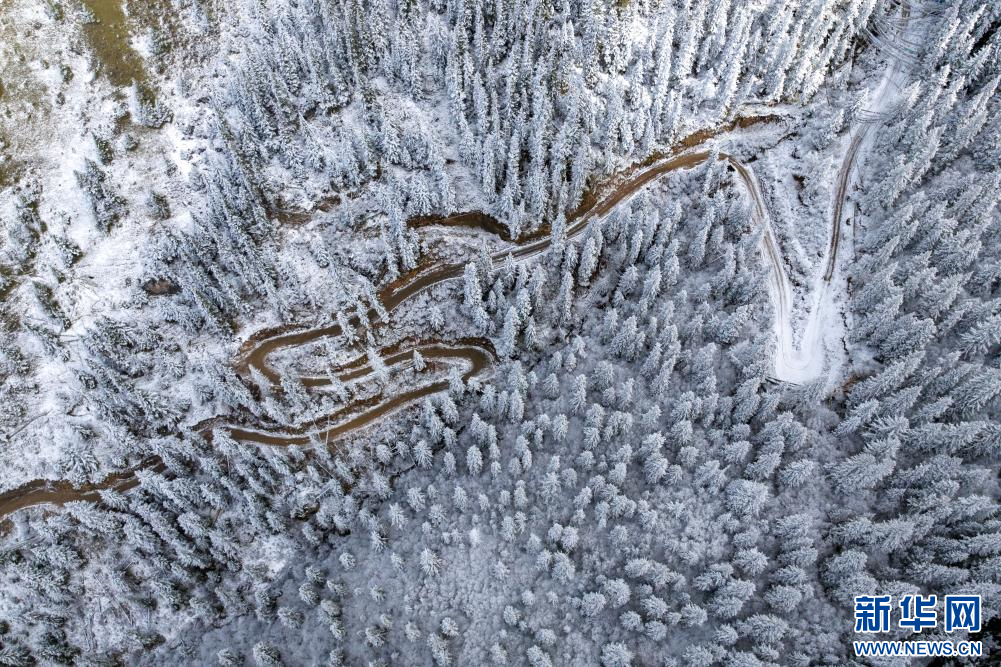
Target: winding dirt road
column 597, row 203
column 476, row 355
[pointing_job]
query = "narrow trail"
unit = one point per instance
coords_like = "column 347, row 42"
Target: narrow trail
column 869, row 117
column 789, row 364
column 841, row 194
column 476, row 355
column 824, row 325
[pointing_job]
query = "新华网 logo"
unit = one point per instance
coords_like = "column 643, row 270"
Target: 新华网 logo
column 917, row 613
column 959, row 613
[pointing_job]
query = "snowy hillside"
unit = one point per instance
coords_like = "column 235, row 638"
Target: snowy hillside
column 497, row 332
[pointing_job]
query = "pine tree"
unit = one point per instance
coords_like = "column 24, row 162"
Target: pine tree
column 266, row 655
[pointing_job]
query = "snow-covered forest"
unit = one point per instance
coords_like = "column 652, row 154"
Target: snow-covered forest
column 511, row 332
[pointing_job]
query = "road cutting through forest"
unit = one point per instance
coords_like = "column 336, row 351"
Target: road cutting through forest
column 808, row 360
column 476, row 355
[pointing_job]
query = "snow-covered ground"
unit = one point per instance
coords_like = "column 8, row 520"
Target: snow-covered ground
column 61, row 110
column 706, row 347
